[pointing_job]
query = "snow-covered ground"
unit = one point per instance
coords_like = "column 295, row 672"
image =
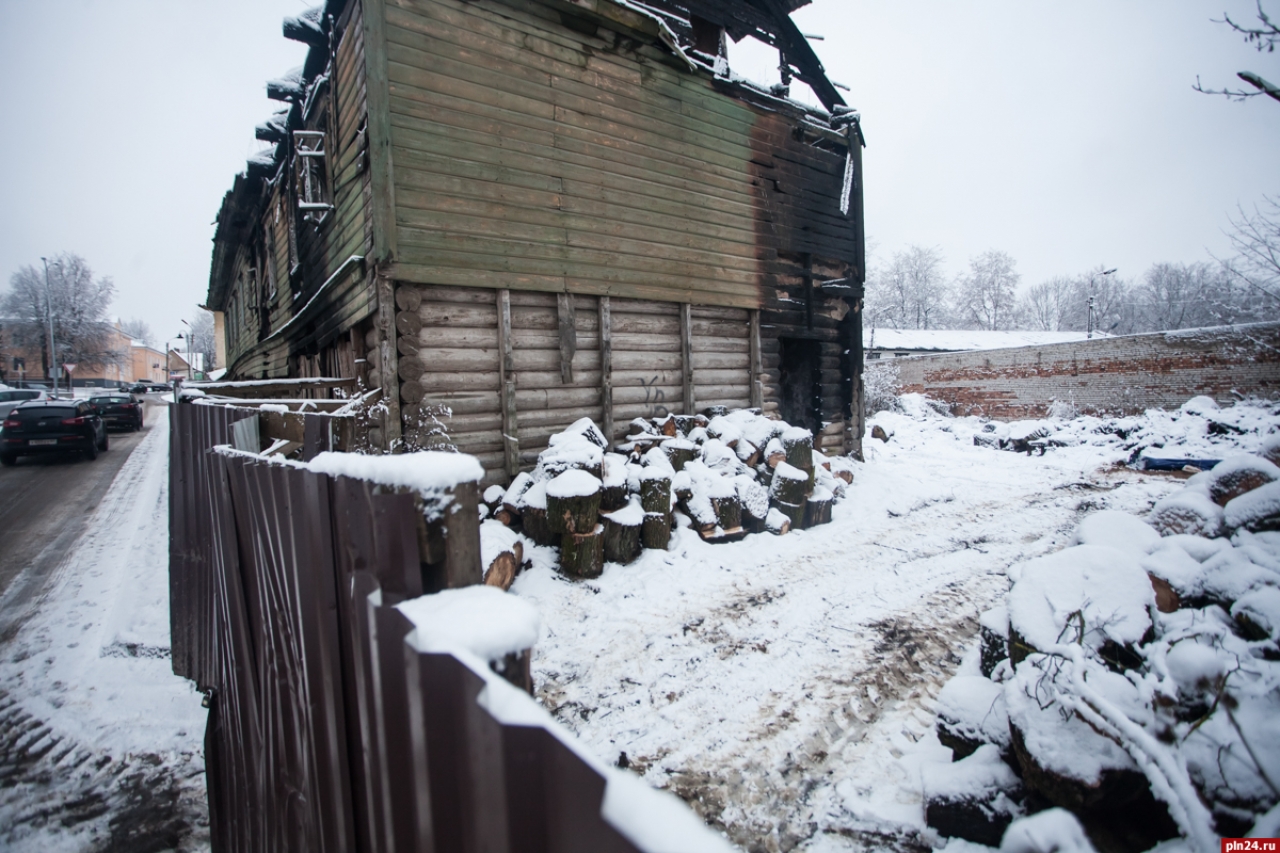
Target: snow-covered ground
column 785, row 686
column 100, row 743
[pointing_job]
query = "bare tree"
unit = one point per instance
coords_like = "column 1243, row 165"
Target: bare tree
column 1256, row 240
column 1263, row 36
column 909, row 293
column 1049, row 306
column 138, row 330
column 77, row 304
column 202, row 338
column 987, row 296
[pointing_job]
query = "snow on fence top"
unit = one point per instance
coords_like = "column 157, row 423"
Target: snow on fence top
column 427, row 471
column 478, row 624
column 480, row 620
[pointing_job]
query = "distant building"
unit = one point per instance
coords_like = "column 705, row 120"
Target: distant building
column 185, row 365
column 133, row 361
column 900, row 343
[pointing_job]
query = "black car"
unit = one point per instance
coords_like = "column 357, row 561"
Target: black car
column 119, row 410
column 138, row 388
column 52, row 426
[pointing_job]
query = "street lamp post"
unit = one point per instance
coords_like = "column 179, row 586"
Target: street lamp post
column 48, row 304
column 1092, row 276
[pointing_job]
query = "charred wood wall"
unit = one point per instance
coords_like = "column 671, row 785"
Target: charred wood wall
column 284, row 259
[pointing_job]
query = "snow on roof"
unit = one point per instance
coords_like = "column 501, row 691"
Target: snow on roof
column 951, row 340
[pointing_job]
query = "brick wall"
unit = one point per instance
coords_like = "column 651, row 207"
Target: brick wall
column 1120, row 375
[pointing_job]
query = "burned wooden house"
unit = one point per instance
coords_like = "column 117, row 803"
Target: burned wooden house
column 511, row 214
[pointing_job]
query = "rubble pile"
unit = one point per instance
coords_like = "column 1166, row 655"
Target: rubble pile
column 723, row 474
column 1199, row 433
column 1132, row 679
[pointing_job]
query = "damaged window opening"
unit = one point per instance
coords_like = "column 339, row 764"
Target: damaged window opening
column 308, row 149
column 800, row 369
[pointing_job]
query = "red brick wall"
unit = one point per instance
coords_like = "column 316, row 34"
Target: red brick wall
column 1121, row 375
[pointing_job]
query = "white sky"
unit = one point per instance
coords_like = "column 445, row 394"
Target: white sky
column 1065, row 133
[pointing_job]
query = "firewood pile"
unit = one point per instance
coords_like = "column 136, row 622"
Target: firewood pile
column 1132, row 679
column 725, row 475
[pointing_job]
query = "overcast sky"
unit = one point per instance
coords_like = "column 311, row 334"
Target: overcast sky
column 1065, row 133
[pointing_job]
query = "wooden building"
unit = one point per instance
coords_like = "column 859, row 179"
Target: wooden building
column 510, row 214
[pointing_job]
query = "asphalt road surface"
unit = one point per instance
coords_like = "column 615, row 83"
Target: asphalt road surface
column 45, row 502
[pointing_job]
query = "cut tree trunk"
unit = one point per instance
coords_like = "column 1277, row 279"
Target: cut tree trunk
column 728, row 513
column 680, row 452
column 504, row 568
column 621, row 541
column 789, row 493
column 817, row 510
column 536, row 527
column 613, row 498
column 582, row 554
column 655, row 500
column 574, row 514
column 656, row 530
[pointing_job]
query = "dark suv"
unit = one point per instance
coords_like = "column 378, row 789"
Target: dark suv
column 119, row 410
column 52, row 426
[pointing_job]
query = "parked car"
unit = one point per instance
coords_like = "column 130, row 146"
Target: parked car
column 138, row 388
column 11, row 398
column 52, row 426
column 119, row 410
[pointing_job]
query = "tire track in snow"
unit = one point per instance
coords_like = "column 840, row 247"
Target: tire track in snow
column 89, row 759
column 865, row 621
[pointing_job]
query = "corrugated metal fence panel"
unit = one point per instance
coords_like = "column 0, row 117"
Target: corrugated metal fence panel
column 327, row 730
column 193, row 430
column 282, row 518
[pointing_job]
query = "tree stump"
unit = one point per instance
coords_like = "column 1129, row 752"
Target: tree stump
column 655, row 532
column 789, row 493
column 535, row 526
column 728, row 513
column 817, row 510
column 777, row 522
column 622, row 533
column 582, row 554
column 679, row 451
column 715, row 411
column 797, row 444
column 573, row 502
column 667, row 426
column 655, row 500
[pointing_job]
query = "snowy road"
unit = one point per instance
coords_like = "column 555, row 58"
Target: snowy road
column 45, row 503
column 100, row 744
column 780, row 685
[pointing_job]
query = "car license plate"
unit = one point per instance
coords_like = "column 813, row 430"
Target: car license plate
column 35, row 442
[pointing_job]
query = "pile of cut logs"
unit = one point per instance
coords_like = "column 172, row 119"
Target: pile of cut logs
column 728, row 474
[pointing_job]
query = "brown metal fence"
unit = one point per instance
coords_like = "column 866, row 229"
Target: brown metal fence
column 327, row 731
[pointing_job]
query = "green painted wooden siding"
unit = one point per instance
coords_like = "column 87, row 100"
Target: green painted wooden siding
column 528, row 156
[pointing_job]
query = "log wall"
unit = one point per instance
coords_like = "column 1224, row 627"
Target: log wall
column 452, row 375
